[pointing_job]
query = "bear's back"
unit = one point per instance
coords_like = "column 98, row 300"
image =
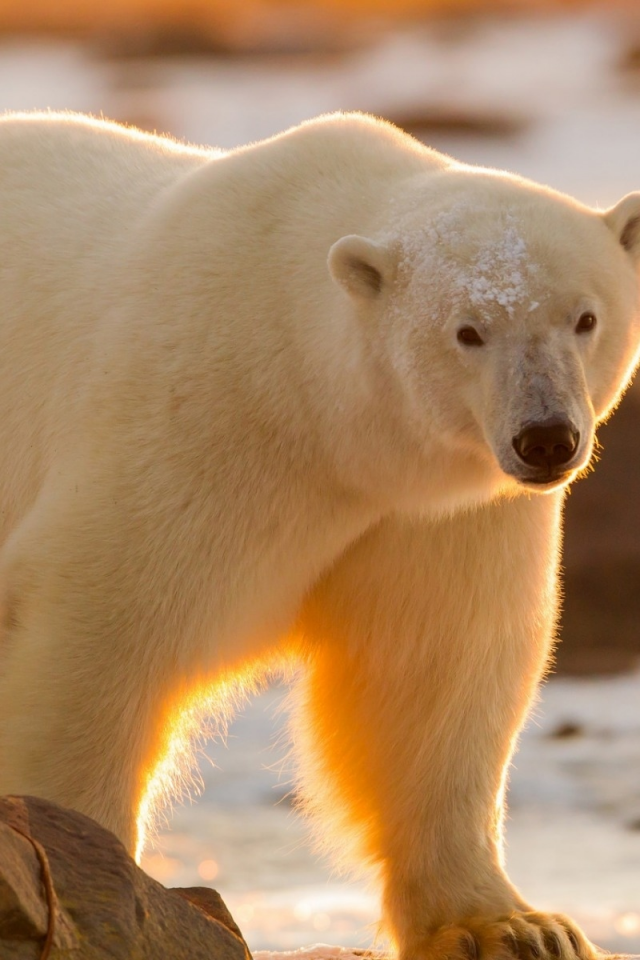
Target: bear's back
column 95, row 172
column 71, row 191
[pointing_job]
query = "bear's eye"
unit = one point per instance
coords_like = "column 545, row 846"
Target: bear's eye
column 470, row 337
column 586, row 323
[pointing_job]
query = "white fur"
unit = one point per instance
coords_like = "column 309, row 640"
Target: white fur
column 238, row 428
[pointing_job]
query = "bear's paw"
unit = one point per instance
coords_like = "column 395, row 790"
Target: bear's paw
column 519, row 936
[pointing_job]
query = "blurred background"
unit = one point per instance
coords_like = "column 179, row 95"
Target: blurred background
column 548, row 90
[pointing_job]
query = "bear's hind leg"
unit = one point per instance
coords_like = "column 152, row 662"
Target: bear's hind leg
column 97, row 650
column 75, row 729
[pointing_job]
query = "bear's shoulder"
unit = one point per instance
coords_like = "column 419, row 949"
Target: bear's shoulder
column 363, row 140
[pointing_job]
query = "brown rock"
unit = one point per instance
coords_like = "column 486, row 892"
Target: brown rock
column 212, row 903
column 23, row 911
column 105, row 907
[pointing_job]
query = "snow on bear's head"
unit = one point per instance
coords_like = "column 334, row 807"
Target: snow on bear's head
column 510, row 314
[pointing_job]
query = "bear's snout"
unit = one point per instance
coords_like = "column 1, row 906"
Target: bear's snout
column 547, row 444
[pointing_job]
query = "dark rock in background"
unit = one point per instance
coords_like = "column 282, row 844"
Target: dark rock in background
column 103, row 906
column 600, row 627
column 432, row 122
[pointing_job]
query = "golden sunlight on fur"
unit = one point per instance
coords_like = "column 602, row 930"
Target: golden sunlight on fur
column 205, row 710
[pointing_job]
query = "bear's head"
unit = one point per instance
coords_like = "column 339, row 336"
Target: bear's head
column 509, row 316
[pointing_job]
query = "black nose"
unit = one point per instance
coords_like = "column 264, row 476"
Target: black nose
column 548, row 444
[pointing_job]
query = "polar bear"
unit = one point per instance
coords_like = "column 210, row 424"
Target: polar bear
column 317, row 398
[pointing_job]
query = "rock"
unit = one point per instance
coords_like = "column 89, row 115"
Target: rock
column 567, row 730
column 104, row 906
column 442, row 120
column 23, row 912
column 212, row 903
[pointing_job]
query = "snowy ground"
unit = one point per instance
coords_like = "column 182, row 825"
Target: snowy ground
column 574, row 829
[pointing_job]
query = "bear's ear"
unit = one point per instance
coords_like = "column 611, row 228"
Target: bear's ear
column 624, row 220
column 360, row 266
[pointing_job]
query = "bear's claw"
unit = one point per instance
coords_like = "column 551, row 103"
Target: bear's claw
column 520, row 936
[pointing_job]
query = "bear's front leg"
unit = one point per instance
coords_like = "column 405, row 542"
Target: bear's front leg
column 426, row 644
